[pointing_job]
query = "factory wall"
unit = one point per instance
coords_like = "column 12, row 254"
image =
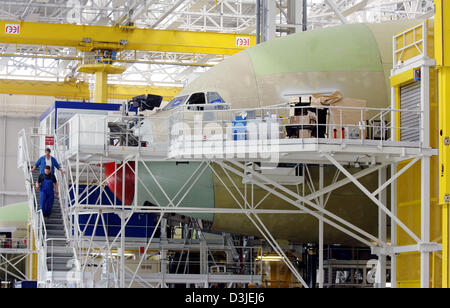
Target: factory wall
column 16, row 112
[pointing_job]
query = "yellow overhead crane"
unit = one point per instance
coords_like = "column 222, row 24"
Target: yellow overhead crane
column 79, row 90
column 110, row 40
column 90, row 38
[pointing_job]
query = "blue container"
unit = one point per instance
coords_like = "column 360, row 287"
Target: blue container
column 240, row 128
column 26, row 285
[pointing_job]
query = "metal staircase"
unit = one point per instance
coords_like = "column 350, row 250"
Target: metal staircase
column 51, row 238
column 58, row 254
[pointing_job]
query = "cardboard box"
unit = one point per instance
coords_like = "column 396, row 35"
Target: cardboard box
column 310, row 118
column 299, row 120
column 304, row 133
column 301, row 133
column 326, row 100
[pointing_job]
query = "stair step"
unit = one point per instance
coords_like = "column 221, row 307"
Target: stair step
column 57, row 240
column 59, row 243
column 62, row 250
column 53, row 221
column 59, row 254
column 58, row 227
column 58, row 268
column 56, row 216
column 59, row 260
column 55, row 233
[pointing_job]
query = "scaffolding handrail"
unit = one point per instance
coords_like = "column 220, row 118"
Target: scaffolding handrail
column 421, row 45
column 162, row 140
column 38, row 226
column 64, row 197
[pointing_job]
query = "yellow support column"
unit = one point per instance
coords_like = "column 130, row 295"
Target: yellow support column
column 101, row 87
column 101, row 72
column 444, row 161
column 442, row 43
column 32, row 259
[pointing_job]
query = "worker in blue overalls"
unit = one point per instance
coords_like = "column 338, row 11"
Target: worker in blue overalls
column 47, row 160
column 47, row 185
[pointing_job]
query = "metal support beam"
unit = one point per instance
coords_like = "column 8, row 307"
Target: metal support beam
column 295, row 14
column 258, row 21
column 377, row 202
column 321, row 230
column 380, row 279
column 269, row 28
column 425, row 178
column 167, row 13
column 309, row 203
column 392, row 250
column 101, row 87
column 336, row 10
column 305, row 16
column 87, row 38
column 393, row 227
column 425, row 221
column 385, row 184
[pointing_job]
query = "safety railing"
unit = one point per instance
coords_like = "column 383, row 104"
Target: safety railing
column 64, row 202
column 14, row 243
column 36, row 136
column 64, row 195
column 185, row 260
column 107, row 133
column 288, row 125
column 42, row 251
column 411, row 45
column 29, row 147
column 187, row 128
column 37, row 223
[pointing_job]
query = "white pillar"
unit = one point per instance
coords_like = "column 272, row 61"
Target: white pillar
column 380, row 279
column 321, row 229
column 393, row 227
column 269, row 27
column 425, row 177
column 163, row 228
column 295, row 16
column 203, row 258
column 425, row 222
column 122, row 251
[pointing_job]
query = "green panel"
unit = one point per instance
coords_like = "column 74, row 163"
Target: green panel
column 14, row 213
column 171, row 178
column 343, row 48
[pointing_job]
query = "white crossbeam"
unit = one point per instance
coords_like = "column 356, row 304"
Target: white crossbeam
column 375, row 200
